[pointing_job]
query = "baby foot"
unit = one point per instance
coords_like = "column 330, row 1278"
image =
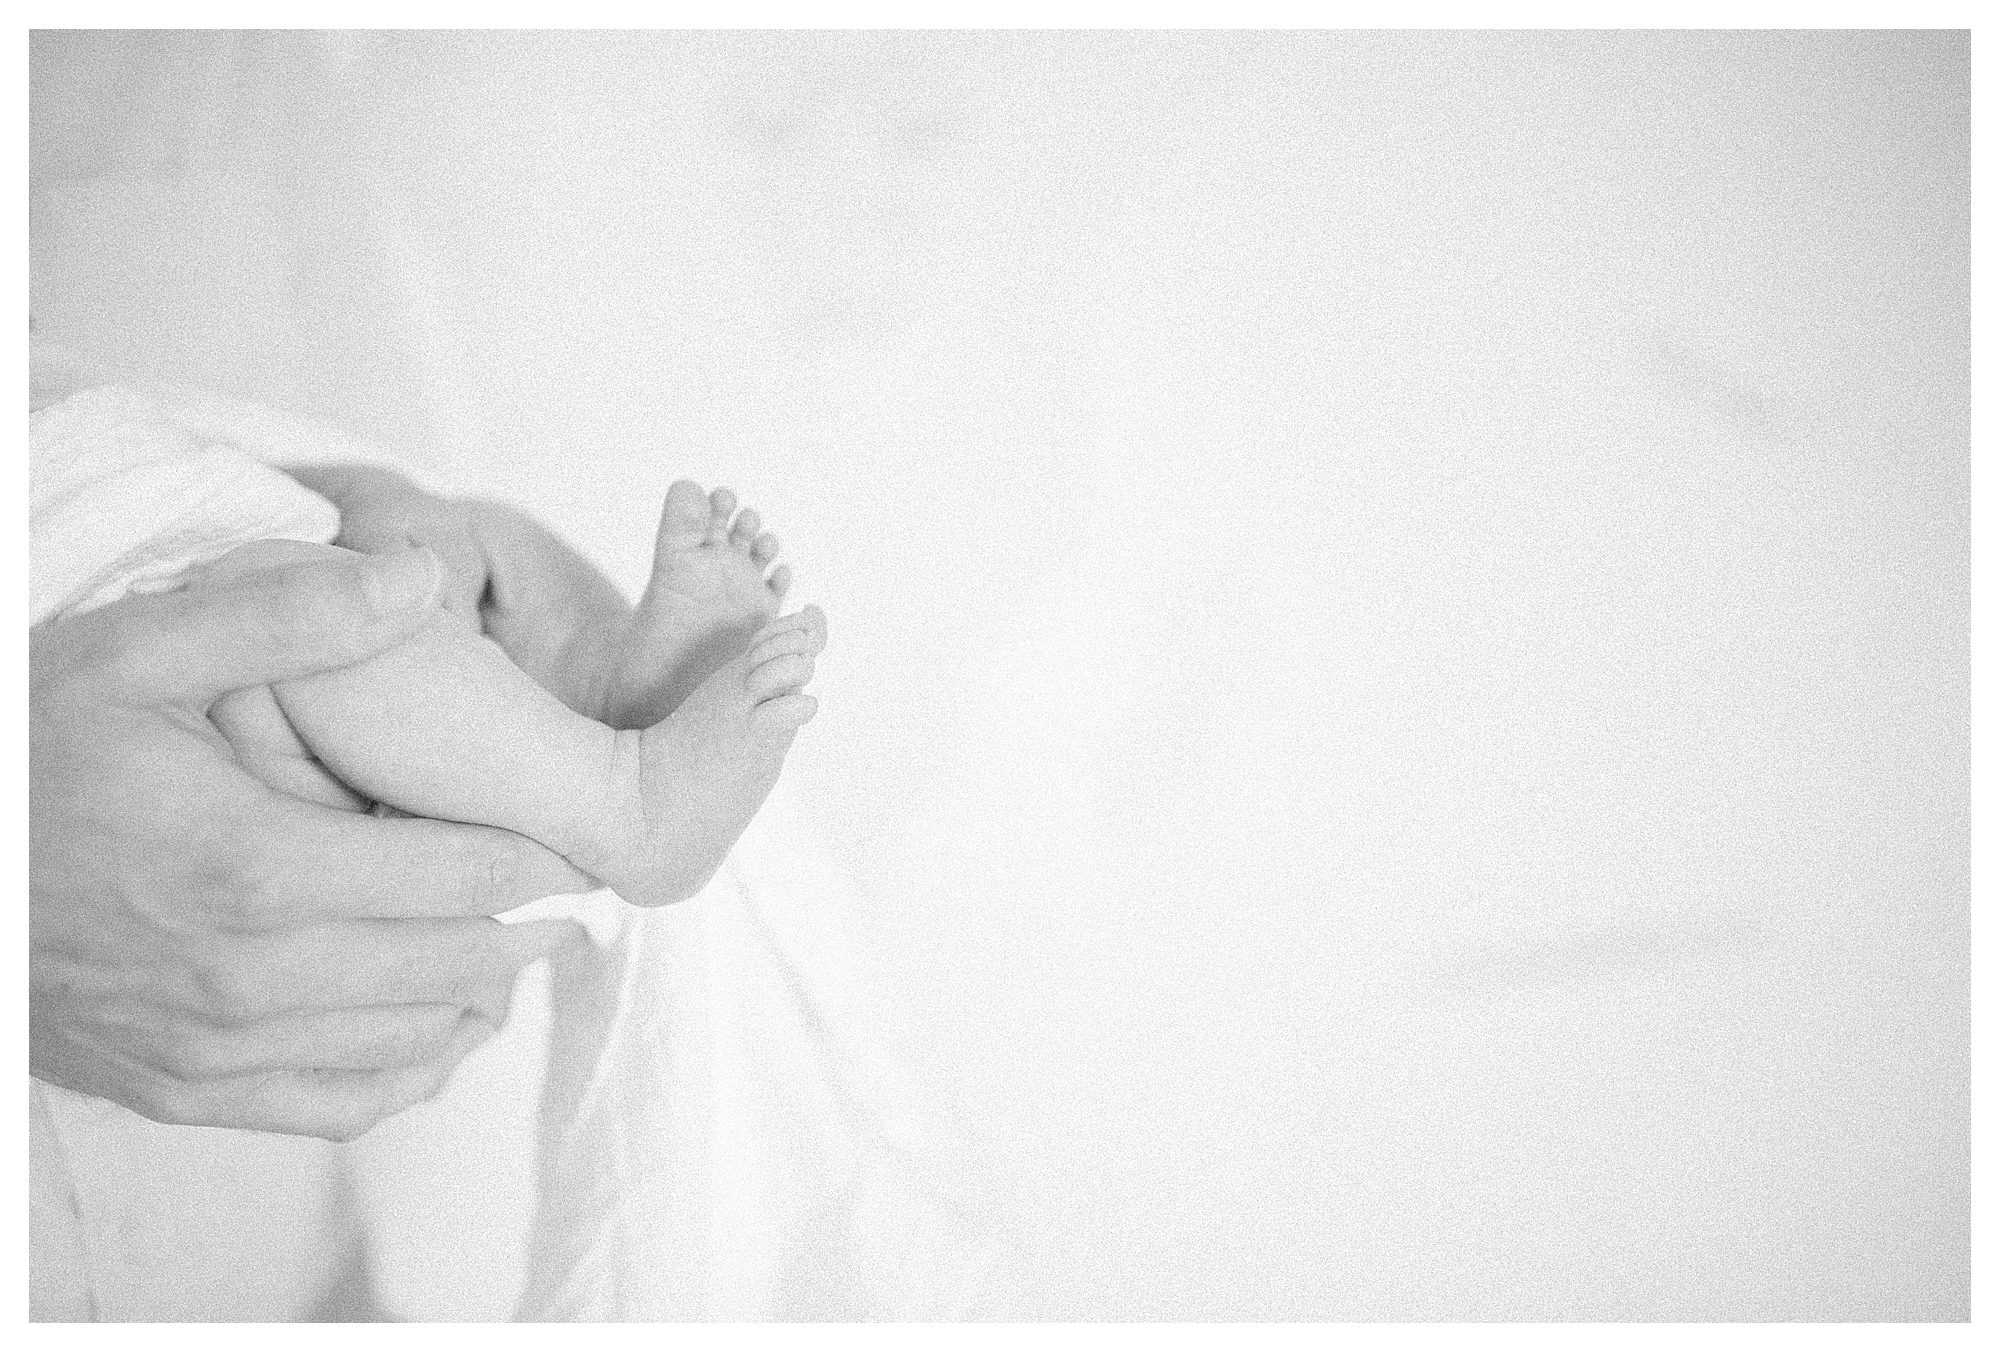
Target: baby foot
column 707, row 598
column 700, row 775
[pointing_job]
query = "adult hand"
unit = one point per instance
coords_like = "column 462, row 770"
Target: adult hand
column 557, row 617
column 207, row 951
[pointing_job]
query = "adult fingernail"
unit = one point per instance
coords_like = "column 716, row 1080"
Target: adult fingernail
column 407, row 580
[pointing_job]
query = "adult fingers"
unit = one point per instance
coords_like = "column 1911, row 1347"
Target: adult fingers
column 336, row 1105
column 314, row 611
column 470, row 962
column 391, row 1037
column 361, row 1100
column 359, row 963
column 323, row 863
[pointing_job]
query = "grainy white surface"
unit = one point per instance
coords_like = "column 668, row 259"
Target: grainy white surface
column 1399, row 692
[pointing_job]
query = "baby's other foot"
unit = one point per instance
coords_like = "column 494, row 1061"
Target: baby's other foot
column 708, row 596
column 704, row 770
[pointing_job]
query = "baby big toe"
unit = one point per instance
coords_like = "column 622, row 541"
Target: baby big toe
column 721, row 506
column 683, row 518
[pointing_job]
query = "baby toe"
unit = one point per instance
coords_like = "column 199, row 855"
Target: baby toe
column 811, row 619
column 780, row 580
column 683, row 518
column 785, row 714
column 745, row 530
column 799, row 640
column 765, row 549
column 781, row 675
column 815, row 619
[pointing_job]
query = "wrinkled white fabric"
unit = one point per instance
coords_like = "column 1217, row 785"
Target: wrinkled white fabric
column 726, row 1134
column 121, row 498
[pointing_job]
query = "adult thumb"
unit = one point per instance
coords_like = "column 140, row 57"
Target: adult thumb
column 292, row 610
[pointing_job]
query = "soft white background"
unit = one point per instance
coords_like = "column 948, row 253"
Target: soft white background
column 1399, row 688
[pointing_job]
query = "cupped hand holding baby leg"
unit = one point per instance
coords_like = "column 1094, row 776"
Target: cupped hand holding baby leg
column 207, row 950
column 690, row 701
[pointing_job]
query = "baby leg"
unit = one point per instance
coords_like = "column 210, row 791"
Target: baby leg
column 444, row 725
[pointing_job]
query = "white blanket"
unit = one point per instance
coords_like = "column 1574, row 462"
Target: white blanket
column 727, row 1133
